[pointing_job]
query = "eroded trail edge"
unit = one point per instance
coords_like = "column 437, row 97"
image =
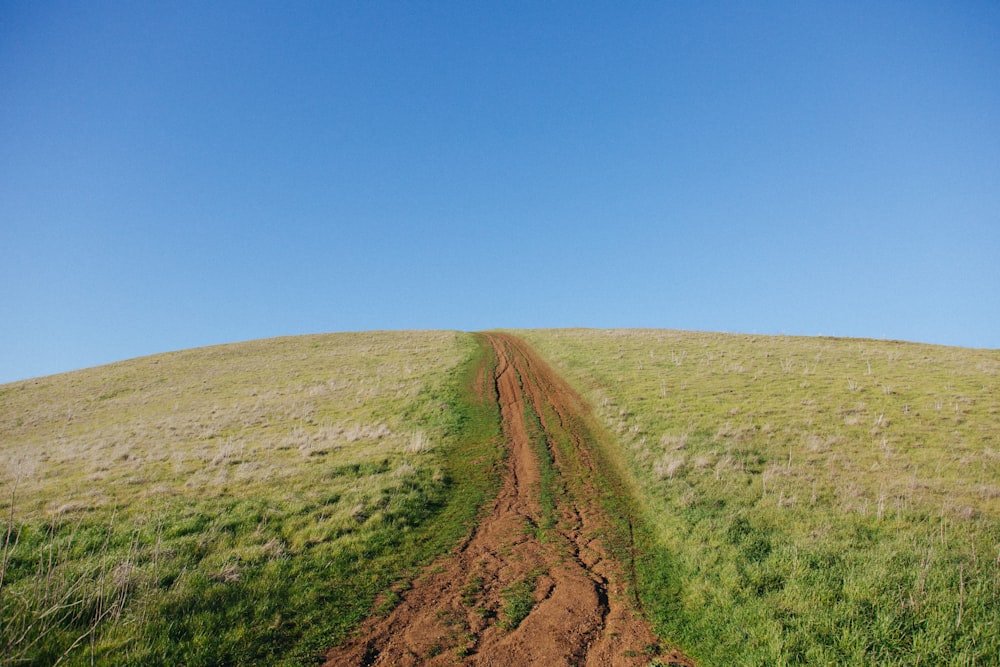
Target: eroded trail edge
column 533, row 584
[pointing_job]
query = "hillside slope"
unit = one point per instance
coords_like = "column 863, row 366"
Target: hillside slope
column 811, row 500
column 796, row 500
column 212, row 506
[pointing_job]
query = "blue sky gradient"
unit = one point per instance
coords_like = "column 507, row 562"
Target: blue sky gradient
column 175, row 175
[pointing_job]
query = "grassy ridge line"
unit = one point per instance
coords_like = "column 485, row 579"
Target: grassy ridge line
column 303, row 477
column 809, row 501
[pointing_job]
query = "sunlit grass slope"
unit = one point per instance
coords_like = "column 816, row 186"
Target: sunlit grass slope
column 812, row 501
column 240, row 504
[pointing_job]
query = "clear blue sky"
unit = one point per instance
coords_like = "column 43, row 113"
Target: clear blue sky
column 175, row 175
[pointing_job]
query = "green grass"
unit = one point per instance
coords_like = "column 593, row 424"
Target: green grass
column 803, row 500
column 242, row 504
column 549, row 481
column 518, row 601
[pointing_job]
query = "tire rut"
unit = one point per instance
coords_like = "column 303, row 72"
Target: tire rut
column 462, row 609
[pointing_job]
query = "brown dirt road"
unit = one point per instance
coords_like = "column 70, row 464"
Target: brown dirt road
column 533, row 584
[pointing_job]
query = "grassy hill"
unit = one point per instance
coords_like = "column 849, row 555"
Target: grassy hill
column 807, row 500
column 795, row 500
column 213, row 506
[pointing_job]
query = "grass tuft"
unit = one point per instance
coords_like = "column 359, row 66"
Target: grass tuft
column 518, row 601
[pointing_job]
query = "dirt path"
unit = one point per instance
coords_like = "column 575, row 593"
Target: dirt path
column 533, row 585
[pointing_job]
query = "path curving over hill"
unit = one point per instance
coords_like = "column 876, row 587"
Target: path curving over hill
column 533, row 584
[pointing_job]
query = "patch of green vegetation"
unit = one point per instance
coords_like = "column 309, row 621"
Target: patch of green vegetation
column 549, row 479
column 471, row 590
column 240, row 505
column 802, row 500
column 518, row 600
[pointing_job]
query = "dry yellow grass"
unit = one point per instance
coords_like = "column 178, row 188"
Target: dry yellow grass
column 231, row 419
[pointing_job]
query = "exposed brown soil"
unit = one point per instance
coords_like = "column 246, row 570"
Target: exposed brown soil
column 578, row 612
